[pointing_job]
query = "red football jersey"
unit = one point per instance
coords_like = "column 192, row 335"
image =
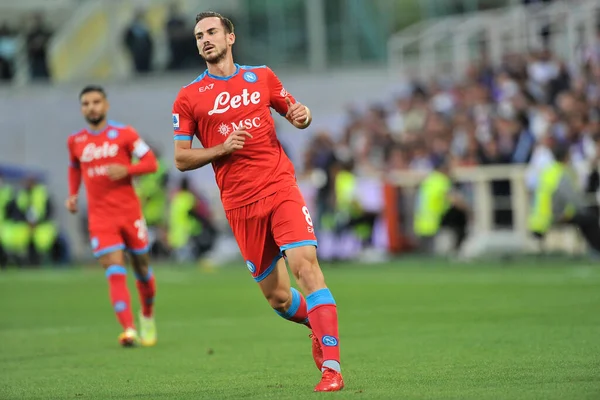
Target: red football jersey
column 92, row 152
column 212, row 107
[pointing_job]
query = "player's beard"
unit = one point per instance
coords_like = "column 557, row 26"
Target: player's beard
column 216, row 58
column 95, row 120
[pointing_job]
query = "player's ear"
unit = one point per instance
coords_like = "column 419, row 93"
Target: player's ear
column 231, row 38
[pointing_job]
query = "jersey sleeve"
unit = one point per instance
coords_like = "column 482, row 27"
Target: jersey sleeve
column 73, row 160
column 184, row 125
column 278, row 94
column 135, row 145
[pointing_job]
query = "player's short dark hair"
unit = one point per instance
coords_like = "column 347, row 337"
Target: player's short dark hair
column 226, row 22
column 92, row 88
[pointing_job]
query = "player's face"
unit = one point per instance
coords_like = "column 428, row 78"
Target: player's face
column 212, row 40
column 94, row 107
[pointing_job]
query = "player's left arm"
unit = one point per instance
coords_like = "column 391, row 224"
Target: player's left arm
column 147, row 163
column 286, row 105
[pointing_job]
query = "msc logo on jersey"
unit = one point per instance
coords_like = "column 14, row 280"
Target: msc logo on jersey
column 250, row 77
column 175, row 121
column 329, row 341
column 250, row 266
column 112, row 134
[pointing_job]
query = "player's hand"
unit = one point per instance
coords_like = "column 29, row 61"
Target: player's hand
column 116, row 171
column 235, row 141
column 297, row 113
column 71, row 204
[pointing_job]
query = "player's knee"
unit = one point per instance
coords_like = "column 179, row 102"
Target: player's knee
column 140, row 262
column 115, row 258
column 280, row 299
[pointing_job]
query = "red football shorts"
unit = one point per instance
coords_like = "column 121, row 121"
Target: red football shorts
column 268, row 227
column 124, row 233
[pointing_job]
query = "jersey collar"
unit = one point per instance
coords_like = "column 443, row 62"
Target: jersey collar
column 225, row 78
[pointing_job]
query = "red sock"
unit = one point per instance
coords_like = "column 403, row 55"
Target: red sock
column 297, row 311
column 146, row 287
column 322, row 313
column 119, row 295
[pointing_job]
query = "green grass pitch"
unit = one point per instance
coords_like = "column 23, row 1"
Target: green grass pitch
column 412, row 329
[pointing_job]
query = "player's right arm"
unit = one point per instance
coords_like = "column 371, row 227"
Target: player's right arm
column 185, row 126
column 187, row 158
column 74, row 176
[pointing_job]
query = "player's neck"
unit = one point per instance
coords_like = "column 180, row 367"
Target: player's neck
column 225, row 67
column 98, row 127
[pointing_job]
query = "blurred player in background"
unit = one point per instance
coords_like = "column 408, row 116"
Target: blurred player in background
column 102, row 154
column 228, row 108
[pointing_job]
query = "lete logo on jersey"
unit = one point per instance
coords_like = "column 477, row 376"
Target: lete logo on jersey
column 92, row 152
column 225, row 101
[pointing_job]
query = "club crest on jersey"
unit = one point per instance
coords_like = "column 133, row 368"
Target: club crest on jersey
column 176, row 121
column 250, row 77
column 250, row 266
column 112, row 134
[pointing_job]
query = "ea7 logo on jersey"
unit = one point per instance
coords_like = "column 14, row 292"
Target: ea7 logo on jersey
column 206, row 88
column 225, row 101
column 92, row 152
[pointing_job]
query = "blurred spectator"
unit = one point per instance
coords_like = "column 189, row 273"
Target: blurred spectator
column 139, row 43
column 6, row 197
column 191, row 232
column 439, row 204
column 8, row 50
column 179, row 35
column 30, row 234
column 38, row 38
column 152, row 192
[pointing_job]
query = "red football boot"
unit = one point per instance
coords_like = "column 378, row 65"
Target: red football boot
column 331, row 381
column 317, row 351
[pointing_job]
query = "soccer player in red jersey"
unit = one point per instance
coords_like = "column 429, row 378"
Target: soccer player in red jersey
column 228, row 108
column 102, row 155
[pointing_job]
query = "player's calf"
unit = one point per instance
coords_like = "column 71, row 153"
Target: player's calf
column 321, row 306
column 119, row 295
column 145, row 283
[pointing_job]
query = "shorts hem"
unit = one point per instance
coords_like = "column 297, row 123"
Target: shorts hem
column 268, row 271
column 138, row 252
column 301, row 243
column 109, row 249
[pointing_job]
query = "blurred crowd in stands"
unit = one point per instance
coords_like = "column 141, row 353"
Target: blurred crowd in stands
column 499, row 114
column 179, row 219
column 34, row 36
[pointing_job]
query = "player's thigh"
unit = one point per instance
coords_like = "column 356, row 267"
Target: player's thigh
column 107, row 245
column 250, row 227
column 135, row 236
column 294, row 233
column 291, row 223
